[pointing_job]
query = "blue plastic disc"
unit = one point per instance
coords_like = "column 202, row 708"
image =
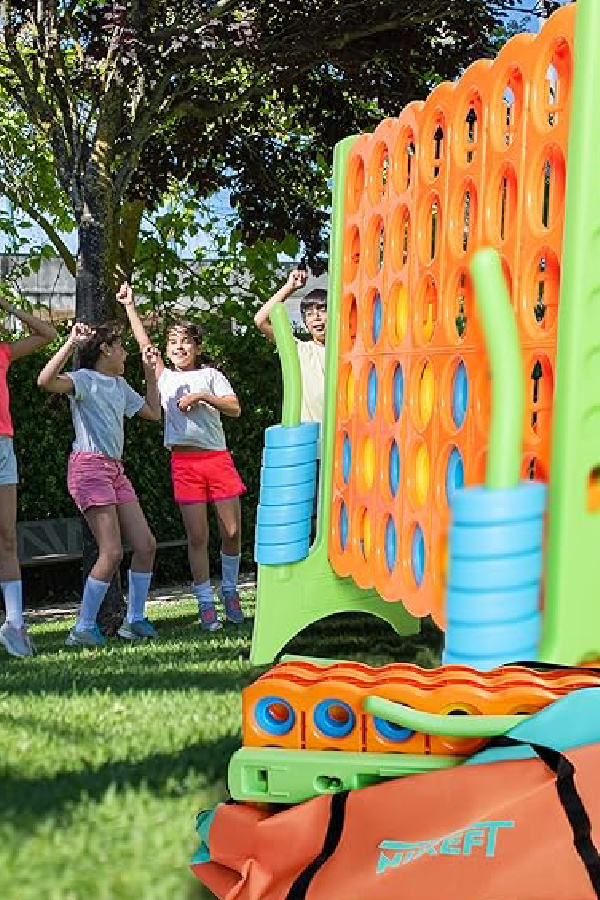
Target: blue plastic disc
column 343, row 526
column 376, row 322
column 417, row 555
column 390, row 731
column 346, row 459
column 398, row 391
column 334, row 718
column 372, row 392
column 394, row 469
column 455, row 474
column 390, row 544
column 460, row 394
column 274, row 715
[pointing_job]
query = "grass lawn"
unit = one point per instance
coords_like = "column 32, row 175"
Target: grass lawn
column 107, row 756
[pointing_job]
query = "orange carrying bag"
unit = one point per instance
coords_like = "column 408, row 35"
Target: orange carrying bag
column 517, row 829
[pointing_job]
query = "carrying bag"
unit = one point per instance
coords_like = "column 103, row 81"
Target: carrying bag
column 508, row 829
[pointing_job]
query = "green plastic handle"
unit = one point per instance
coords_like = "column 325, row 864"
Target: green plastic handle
column 468, row 726
column 504, row 353
column 290, row 366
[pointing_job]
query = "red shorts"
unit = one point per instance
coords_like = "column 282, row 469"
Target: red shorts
column 205, row 476
column 97, row 480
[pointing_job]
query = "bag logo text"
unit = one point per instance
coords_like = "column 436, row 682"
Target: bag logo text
column 479, row 837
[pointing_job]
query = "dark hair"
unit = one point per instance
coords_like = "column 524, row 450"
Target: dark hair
column 193, row 332
column 316, row 297
column 89, row 352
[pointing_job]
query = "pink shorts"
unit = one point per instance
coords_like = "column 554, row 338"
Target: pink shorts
column 97, row 480
column 205, row 476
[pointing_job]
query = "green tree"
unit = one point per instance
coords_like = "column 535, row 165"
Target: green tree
column 110, row 102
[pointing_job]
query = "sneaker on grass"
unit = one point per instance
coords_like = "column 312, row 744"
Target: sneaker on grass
column 16, row 640
column 209, row 619
column 138, row 630
column 233, row 610
column 86, row 637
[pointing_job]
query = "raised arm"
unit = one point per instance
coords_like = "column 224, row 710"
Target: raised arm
column 151, row 359
column 42, row 333
column 126, row 298
column 296, row 280
column 50, row 378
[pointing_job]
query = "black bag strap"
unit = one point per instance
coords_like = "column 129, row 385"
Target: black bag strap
column 537, row 666
column 300, row 886
column 570, row 801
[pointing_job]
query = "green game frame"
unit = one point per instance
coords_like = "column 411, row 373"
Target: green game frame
column 571, row 620
column 290, row 597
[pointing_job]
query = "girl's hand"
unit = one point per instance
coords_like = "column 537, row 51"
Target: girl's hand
column 188, row 402
column 296, row 280
column 151, row 356
column 80, row 332
column 125, row 295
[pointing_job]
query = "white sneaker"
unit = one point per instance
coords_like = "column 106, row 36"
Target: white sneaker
column 16, row 640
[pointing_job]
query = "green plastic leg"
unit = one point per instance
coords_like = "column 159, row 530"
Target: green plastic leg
column 290, row 598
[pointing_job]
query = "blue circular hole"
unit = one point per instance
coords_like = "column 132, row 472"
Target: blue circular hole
column 343, row 526
column 394, row 469
column 417, row 555
column 460, row 394
column 372, row 392
column 346, row 459
column 390, row 545
column 390, row 731
column 376, row 322
column 398, row 391
column 455, row 474
column 274, row 715
column 334, row 718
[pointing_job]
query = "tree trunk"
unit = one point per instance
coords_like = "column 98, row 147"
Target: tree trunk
column 94, row 304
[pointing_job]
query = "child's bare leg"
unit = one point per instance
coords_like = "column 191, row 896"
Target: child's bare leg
column 195, row 520
column 9, row 561
column 229, row 518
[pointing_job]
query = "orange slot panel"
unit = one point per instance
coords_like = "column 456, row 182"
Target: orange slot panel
column 333, row 716
column 480, row 162
column 271, row 714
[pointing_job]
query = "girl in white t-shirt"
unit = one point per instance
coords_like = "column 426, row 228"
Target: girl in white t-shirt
column 100, row 399
column 193, row 396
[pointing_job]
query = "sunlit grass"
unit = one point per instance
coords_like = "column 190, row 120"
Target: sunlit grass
column 107, row 756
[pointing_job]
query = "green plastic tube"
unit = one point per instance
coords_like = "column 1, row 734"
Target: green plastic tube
column 448, row 726
column 290, row 367
column 504, row 353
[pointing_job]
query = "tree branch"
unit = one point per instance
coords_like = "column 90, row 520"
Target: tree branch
column 45, row 225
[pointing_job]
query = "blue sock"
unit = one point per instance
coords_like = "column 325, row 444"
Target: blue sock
column 13, row 600
column 139, row 585
column 230, row 569
column 94, row 592
column 204, row 593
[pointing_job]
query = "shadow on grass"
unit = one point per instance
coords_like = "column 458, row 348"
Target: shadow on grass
column 164, row 774
column 355, row 636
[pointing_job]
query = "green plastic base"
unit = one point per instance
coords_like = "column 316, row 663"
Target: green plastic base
column 267, row 775
column 289, row 598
